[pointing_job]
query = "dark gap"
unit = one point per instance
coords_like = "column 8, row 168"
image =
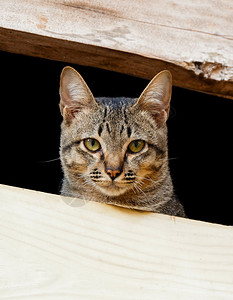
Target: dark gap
column 200, row 133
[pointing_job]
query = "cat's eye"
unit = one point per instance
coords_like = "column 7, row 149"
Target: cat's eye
column 92, row 144
column 136, row 146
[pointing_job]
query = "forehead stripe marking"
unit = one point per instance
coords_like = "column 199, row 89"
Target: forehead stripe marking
column 108, row 128
column 126, row 118
column 122, row 129
column 129, row 131
column 105, row 113
column 100, row 129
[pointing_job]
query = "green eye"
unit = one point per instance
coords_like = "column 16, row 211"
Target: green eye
column 136, row 146
column 92, row 145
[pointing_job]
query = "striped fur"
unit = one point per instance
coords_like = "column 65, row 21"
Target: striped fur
column 113, row 174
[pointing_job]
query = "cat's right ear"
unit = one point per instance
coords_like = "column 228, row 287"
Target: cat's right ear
column 155, row 99
column 74, row 93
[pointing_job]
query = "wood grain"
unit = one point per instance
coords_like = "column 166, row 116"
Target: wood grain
column 193, row 39
column 87, row 250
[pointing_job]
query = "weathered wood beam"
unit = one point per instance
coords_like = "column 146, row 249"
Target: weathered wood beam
column 87, row 250
column 193, row 39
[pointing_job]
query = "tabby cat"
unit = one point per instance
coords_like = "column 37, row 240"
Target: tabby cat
column 114, row 150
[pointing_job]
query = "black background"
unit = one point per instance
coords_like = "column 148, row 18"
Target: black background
column 200, row 133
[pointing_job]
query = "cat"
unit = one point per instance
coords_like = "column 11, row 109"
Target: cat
column 114, row 150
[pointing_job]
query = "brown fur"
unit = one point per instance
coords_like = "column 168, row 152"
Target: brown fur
column 114, row 174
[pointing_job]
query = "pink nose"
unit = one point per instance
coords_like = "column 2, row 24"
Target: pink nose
column 113, row 173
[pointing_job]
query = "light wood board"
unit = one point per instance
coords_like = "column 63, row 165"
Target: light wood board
column 86, row 250
column 193, row 39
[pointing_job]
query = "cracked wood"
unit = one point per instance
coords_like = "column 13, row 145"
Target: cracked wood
column 194, row 40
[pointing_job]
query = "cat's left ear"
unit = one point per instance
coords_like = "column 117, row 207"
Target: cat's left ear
column 75, row 94
column 156, row 97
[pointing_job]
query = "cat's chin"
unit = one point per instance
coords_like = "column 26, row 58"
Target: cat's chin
column 112, row 190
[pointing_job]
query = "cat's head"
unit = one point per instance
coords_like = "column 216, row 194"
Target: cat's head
column 117, row 145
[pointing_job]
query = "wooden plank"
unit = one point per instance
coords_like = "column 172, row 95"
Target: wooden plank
column 193, row 39
column 51, row 250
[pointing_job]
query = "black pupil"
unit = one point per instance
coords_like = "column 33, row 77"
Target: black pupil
column 92, row 143
column 136, row 144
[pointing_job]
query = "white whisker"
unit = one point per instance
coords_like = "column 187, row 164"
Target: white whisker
column 50, row 160
column 147, row 178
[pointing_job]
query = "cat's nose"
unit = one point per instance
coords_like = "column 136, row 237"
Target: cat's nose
column 113, row 173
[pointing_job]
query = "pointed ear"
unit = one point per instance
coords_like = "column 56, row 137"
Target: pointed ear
column 74, row 93
column 155, row 99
